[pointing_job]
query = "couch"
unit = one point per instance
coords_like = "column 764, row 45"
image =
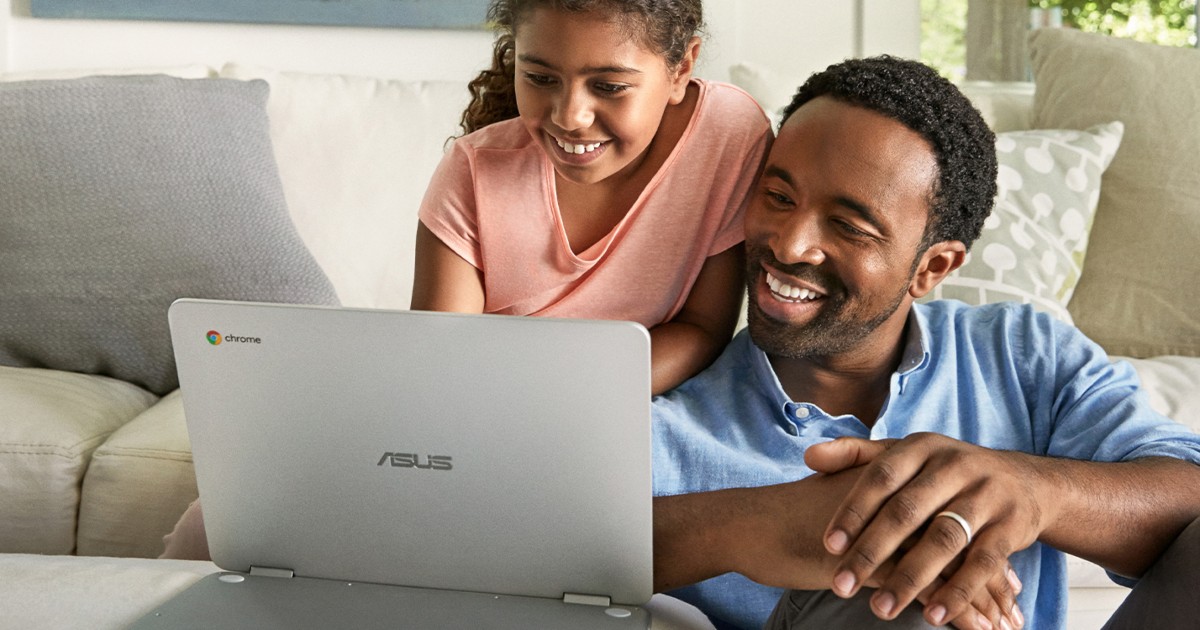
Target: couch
column 97, row 464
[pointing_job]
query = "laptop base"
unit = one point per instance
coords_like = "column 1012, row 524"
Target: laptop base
column 236, row 600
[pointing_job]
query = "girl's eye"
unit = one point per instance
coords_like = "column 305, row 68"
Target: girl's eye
column 538, row 79
column 611, row 88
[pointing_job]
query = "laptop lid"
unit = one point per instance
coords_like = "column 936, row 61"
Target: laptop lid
column 480, row 453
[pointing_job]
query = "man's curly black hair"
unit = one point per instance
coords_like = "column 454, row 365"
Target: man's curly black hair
column 917, row 97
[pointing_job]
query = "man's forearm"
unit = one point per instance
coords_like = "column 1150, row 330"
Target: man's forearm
column 1121, row 515
column 770, row 534
column 685, row 535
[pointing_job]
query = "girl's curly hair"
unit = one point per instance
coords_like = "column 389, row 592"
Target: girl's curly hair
column 664, row 26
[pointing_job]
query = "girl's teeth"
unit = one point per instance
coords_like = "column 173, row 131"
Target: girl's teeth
column 577, row 149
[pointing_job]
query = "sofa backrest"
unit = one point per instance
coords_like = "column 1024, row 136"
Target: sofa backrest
column 355, row 155
column 1006, row 106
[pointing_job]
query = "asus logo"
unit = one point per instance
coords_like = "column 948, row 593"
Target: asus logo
column 412, row 460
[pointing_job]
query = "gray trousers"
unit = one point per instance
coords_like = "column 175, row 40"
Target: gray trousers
column 823, row 609
column 1167, row 597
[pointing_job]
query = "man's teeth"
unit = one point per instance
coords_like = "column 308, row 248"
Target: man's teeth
column 577, row 149
column 789, row 291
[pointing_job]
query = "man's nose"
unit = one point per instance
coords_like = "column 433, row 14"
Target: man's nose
column 799, row 240
column 573, row 110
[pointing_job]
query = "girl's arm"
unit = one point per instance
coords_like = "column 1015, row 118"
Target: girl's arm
column 442, row 280
column 682, row 347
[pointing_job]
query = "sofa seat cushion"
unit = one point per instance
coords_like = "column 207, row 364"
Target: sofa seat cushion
column 53, row 421
column 146, row 462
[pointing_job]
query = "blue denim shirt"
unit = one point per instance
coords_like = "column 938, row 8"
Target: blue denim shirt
column 1001, row 376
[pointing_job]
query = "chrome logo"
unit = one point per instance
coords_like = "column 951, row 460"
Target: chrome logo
column 214, row 337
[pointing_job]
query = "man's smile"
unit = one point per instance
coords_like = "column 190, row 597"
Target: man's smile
column 790, row 293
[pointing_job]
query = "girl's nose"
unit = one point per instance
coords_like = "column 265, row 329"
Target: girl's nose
column 573, row 110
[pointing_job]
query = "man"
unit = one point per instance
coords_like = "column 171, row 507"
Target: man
column 1017, row 438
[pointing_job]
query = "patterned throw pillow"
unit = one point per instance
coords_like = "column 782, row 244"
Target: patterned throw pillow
column 1033, row 244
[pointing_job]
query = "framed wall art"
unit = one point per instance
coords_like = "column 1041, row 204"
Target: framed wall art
column 446, row 14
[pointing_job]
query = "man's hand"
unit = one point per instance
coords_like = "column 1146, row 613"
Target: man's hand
column 1002, row 495
column 773, row 535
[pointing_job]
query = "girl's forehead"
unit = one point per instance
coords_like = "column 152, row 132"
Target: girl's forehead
column 550, row 21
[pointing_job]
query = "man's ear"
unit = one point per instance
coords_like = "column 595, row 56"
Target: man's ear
column 936, row 263
column 683, row 72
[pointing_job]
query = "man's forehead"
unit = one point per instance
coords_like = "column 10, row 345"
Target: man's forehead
column 856, row 138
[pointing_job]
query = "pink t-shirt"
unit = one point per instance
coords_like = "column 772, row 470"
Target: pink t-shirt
column 492, row 200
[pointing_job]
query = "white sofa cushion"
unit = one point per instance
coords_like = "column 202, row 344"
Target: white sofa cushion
column 1173, row 385
column 52, row 422
column 355, row 155
column 1005, row 105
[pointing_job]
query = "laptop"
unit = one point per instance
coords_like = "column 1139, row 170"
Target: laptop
column 369, row 468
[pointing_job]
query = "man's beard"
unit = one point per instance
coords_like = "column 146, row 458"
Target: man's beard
column 839, row 326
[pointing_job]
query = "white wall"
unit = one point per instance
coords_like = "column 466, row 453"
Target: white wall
column 793, row 37
column 40, row 44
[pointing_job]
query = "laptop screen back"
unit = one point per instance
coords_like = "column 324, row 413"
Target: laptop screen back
column 469, row 452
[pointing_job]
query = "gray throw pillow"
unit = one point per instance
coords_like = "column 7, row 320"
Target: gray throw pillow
column 119, row 195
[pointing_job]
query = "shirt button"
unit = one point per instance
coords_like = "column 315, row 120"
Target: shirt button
column 791, row 429
column 801, row 412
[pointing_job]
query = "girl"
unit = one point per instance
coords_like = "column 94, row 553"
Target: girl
column 597, row 179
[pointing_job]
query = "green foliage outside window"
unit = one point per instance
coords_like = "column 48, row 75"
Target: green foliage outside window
column 1167, row 22
column 943, row 32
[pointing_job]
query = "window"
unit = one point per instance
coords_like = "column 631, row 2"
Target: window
column 985, row 39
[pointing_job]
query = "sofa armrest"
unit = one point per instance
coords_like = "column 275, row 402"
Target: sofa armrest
column 1173, row 385
column 139, row 483
column 51, row 423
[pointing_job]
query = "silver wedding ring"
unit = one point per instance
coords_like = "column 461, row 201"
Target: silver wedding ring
column 962, row 522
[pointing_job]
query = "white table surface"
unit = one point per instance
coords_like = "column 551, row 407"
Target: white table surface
column 98, row 593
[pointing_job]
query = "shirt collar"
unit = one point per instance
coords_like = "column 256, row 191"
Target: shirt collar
column 765, row 374
column 917, row 342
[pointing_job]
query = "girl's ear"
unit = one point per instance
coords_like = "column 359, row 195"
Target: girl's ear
column 936, row 263
column 683, row 72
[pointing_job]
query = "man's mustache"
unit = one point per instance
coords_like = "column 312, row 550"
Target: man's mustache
column 756, row 255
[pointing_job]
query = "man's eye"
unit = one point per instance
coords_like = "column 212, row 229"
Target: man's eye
column 852, row 231
column 777, row 198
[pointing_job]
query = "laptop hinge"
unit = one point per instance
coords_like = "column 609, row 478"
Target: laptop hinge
column 270, row 572
column 588, row 600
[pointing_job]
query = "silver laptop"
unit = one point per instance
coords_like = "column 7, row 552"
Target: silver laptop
column 367, row 468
